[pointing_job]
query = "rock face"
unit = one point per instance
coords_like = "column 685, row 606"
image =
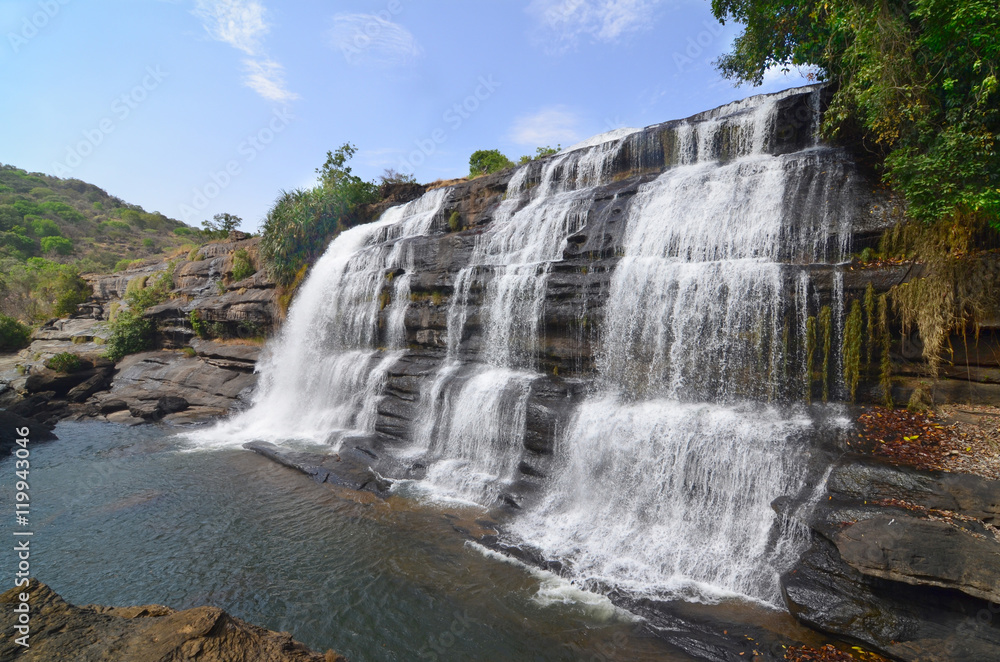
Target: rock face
column 152, row 633
column 907, row 562
column 206, row 380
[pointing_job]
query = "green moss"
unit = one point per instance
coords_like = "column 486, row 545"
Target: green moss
column 851, row 349
column 826, row 331
column 455, row 221
column 810, row 355
column 870, row 334
column 885, row 343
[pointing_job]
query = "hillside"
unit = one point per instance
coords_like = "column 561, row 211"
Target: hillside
column 52, row 229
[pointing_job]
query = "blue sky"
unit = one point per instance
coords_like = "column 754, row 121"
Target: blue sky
column 195, row 107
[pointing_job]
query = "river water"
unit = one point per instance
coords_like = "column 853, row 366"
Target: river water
column 127, row 516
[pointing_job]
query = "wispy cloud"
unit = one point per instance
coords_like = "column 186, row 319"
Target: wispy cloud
column 243, row 25
column 548, row 127
column 565, row 22
column 267, row 78
column 368, row 38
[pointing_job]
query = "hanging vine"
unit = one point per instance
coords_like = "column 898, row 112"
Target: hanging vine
column 810, row 354
column 885, row 341
column 826, row 327
column 851, row 349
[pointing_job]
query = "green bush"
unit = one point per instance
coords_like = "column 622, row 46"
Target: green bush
column 70, row 291
column 300, row 224
column 59, row 245
column 125, row 263
column 43, row 227
column 146, row 291
column 13, row 334
column 64, row 362
column 130, row 333
column 455, row 221
column 485, row 161
column 242, row 265
column 17, row 242
column 199, row 327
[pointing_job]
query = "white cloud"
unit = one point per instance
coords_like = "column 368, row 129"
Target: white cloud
column 548, row 127
column 239, row 23
column 367, row 38
column 564, row 22
column 243, row 25
column 267, row 78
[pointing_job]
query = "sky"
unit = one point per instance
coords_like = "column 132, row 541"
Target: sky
column 198, row 107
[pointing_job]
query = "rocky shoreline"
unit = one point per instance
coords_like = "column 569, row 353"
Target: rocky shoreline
column 150, row 633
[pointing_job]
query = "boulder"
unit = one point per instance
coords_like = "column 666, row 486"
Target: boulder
column 151, row 633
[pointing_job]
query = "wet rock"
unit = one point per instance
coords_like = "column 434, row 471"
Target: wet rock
column 151, row 633
column 99, row 381
column 113, row 405
column 10, row 423
column 903, row 560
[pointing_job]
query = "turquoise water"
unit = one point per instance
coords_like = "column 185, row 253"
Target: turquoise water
column 126, row 516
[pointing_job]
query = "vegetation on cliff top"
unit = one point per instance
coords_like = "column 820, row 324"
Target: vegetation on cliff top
column 917, row 78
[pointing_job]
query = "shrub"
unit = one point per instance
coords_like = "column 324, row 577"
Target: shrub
column 60, row 245
column 126, row 263
column 199, row 327
column 13, row 334
column 146, row 291
column 17, row 242
column 43, row 227
column 64, row 362
column 485, row 161
column 300, row 224
column 130, row 333
column 70, row 291
column 148, row 243
column 455, row 221
column 242, row 265
column 189, row 352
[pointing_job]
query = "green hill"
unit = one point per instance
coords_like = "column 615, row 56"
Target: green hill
column 52, row 229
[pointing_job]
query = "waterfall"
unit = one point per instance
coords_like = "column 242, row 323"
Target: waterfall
column 670, row 451
column 322, row 378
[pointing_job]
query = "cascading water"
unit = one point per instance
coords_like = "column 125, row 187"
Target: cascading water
column 323, row 376
column 476, row 423
column 663, row 476
column 667, row 473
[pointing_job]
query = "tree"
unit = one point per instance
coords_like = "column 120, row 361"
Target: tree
column 59, row 245
column 299, row 225
column 917, row 78
column 485, row 161
column 221, row 225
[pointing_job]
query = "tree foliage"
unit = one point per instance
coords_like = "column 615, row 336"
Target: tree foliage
column 917, row 78
column 485, row 161
column 13, row 334
column 301, row 222
column 221, row 225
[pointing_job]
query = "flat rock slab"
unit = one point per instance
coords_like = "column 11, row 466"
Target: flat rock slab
column 923, row 552
column 152, row 633
column 349, row 468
